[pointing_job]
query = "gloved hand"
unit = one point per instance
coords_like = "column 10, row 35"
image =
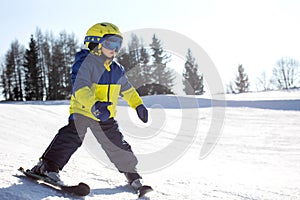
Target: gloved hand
column 142, row 113
column 100, row 110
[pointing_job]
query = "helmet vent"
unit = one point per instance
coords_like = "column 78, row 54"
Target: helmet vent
column 103, row 24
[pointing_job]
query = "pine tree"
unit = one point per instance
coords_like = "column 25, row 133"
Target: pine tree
column 242, row 82
column 161, row 74
column 130, row 59
column 33, row 73
column 60, row 64
column 146, row 68
column 135, row 73
column 4, row 82
column 19, row 57
column 193, row 80
column 69, row 49
column 48, row 60
column 12, row 76
column 8, row 73
column 55, row 76
column 44, row 43
column 123, row 58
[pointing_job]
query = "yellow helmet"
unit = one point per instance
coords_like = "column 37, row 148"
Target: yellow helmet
column 97, row 33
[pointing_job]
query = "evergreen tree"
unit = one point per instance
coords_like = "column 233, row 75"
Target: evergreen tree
column 18, row 53
column 146, row 68
column 192, row 79
column 129, row 58
column 242, row 82
column 55, row 76
column 46, row 64
column 136, row 62
column 123, row 58
column 135, row 72
column 59, row 64
column 12, row 75
column 33, row 73
column 161, row 74
column 69, row 49
column 4, row 82
column 7, row 77
column 43, row 43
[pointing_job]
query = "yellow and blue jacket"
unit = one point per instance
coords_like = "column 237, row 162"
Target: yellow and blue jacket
column 95, row 78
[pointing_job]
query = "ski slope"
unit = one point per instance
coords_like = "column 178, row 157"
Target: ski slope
column 257, row 154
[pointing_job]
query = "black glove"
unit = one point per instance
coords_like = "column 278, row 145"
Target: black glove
column 100, row 110
column 142, row 113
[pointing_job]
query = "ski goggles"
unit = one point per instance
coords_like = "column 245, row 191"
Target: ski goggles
column 113, row 42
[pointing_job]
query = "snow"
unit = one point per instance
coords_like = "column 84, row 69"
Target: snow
column 257, row 154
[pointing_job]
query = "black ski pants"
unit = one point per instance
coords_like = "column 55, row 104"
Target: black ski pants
column 70, row 138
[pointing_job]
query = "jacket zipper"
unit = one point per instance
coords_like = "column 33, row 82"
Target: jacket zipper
column 108, row 90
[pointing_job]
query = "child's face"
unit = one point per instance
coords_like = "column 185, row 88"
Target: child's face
column 108, row 53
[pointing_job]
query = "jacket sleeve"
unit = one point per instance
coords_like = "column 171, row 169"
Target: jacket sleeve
column 82, row 86
column 129, row 93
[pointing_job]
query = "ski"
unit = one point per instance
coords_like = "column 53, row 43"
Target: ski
column 81, row 189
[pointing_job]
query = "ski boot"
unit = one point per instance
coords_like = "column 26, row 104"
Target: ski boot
column 47, row 169
column 134, row 180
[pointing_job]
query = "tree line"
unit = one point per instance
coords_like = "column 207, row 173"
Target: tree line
column 146, row 68
column 42, row 70
column 285, row 75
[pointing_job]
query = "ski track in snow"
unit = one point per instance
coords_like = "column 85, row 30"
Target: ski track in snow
column 257, row 155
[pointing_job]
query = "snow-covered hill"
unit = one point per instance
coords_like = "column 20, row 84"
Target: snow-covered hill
column 257, row 155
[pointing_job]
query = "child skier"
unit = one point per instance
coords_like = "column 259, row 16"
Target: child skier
column 97, row 82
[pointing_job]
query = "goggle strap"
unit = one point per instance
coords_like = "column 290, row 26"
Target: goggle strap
column 97, row 39
column 94, row 39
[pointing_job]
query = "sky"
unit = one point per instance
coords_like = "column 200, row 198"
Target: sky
column 254, row 33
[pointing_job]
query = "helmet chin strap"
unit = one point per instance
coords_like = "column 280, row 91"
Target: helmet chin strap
column 96, row 51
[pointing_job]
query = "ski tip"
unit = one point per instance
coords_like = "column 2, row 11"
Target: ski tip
column 84, row 189
column 81, row 184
